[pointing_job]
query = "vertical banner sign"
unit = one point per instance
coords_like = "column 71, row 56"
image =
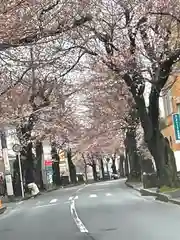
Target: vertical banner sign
column 176, row 124
column 63, row 164
column 49, row 172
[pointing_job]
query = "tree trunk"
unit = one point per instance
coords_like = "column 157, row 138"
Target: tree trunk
column 85, row 168
column 27, row 157
column 166, row 170
column 28, row 165
column 121, row 165
column 164, row 159
column 114, row 170
column 102, row 167
column 85, row 172
column 94, row 171
column 126, row 164
column 134, row 159
column 16, row 178
column 55, row 165
column 72, row 168
column 157, row 145
column 39, row 154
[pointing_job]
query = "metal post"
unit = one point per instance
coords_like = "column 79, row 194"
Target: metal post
column 20, row 173
column 8, row 177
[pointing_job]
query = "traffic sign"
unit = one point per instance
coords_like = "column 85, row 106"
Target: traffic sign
column 17, row 148
column 176, row 124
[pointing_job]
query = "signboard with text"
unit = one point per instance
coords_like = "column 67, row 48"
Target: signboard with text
column 48, row 163
column 49, row 171
column 63, row 163
column 176, row 124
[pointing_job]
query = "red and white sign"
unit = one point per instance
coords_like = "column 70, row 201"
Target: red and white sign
column 48, row 163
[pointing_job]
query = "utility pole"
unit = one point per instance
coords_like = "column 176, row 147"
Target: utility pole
column 8, row 177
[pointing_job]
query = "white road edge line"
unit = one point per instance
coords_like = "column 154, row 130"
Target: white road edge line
column 38, row 203
column 81, row 188
column 47, row 205
column 77, row 220
column 92, row 195
column 9, row 213
column 108, row 194
column 53, row 200
column 19, row 203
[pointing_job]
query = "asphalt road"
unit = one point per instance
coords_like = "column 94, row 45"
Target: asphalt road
column 102, row 211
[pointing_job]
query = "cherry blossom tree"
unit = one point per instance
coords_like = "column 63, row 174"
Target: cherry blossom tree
column 138, row 41
column 107, row 106
column 36, row 26
column 37, row 103
column 30, row 21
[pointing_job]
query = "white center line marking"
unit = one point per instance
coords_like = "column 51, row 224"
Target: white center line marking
column 77, row 220
column 92, row 195
column 53, row 200
column 48, row 205
column 108, row 194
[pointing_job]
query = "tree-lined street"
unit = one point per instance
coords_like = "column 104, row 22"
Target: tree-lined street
column 107, row 210
column 81, row 83
column 86, row 77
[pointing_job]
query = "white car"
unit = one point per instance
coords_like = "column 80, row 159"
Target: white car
column 114, row 176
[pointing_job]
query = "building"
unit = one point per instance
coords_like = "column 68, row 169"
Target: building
column 170, row 106
column 11, row 139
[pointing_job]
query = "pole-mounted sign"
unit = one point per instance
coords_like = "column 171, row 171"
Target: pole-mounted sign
column 17, row 148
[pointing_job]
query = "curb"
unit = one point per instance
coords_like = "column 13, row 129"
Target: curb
column 2, row 210
column 145, row 192
column 159, row 196
column 131, row 186
column 14, row 200
column 174, row 201
column 25, row 198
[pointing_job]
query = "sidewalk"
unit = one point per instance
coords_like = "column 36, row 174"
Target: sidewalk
column 172, row 196
column 136, row 186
